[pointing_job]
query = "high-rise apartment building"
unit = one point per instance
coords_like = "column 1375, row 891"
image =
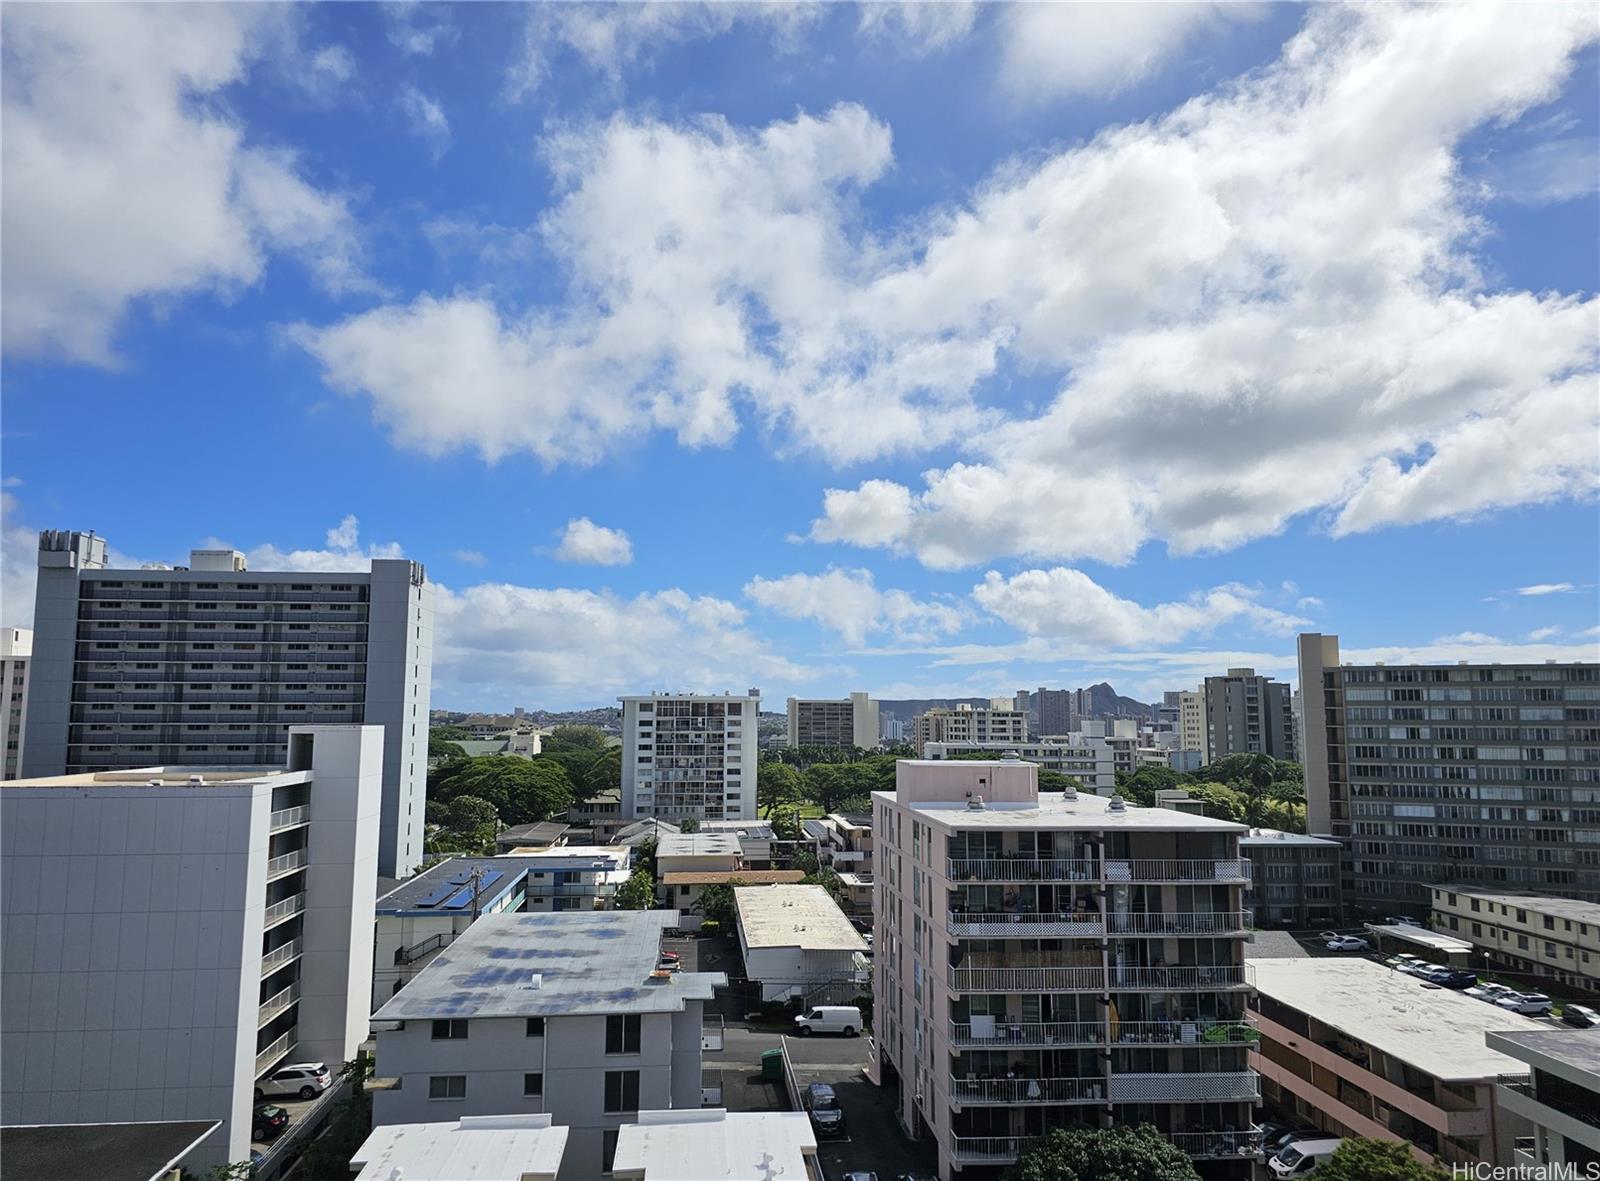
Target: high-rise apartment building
column 687, row 754
column 16, row 655
column 845, row 722
column 173, row 934
column 964, row 724
column 1192, row 724
column 1057, row 960
column 1247, row 714
column 1470, row 773
column 1053, row 709
column 211, row 665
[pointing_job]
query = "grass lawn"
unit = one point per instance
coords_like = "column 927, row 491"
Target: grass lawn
column 810, row 811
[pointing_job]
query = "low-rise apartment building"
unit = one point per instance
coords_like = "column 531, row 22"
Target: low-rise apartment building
column 1534, row 934
column 966, row 726
column 1088, row 758
column 1294, row 879
column 1559, row 1095
column 726, row 1145
column 561, row 1013
column 1361, row 1050
column 479, row 1147
column 684, row 891
column 681, row 852
column 1057, row 960
column 797, row 943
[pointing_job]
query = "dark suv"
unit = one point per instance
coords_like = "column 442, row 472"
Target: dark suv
column 827, row 1117
column 268, row 1121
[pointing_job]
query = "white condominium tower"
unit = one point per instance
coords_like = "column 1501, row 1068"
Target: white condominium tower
column 688, row 754
column 16, row 653
column 212, row 663
column 1057, row 960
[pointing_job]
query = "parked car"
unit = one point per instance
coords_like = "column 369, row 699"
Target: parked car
column 1451, row 978
column 268, row 1121
column 1400, row 920
column 1580, row 1015
column 304, row 1080
column 828, row 1122
column 820, row 1097
column 1285, row 1136
column 1325, row 936
column 1346, row 943
column 1302, row 1157
column 671, row 955
column 1415, row 966
column 861, row 1177
column 845, row 1019
column 1489, row 991
column 1533, row 1004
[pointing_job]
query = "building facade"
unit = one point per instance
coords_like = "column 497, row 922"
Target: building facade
column 1192, row 724
column 1558, row 1095
column 1430, row 774
column 1054, row 960
column 968, row 726
column 1534, row 934
column 213, row 663
column 1053, row 711
column 587, row 1028
column 1088, row 759
column 1294, row 879
column 16, row 656
column 1247, row 714
column 797, row 943
column 846, row 722
column 173, row 934
column 686, row 754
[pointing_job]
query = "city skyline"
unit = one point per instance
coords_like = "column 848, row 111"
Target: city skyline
column 494, row 289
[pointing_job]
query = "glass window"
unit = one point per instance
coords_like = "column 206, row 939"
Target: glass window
column 533, row 1084
column 622, row 1090
column 447, row 1086
column 535, row 1027
column 449, row 1030
column 622, row 1034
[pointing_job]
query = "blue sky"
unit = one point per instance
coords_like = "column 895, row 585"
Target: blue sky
column 923, row 349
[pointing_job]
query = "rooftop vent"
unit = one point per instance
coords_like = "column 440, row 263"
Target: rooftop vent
column 1011, row 756
column 1116, row 805
column 1069, row 792
column 975, row 804
column 535, row 981
column 197, row 781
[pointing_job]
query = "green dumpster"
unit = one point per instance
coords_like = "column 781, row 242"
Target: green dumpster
column 772, row 1066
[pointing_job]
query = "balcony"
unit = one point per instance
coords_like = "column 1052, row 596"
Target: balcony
column 1217, row 1145
column 1025, row 925
column 1021, row 869
column 1551, row 1099
column 1200, row 1031
column 1237, row 870
column 1003, row 1034
column 1188, row 1087
column 977, row 1092
column 280, row 956
column 1028, row 979
column 276, row 1052
column 282, row 912
column 289, row 863
column 1222, row 922
column 985, row 1150
column 274, row 1005
column 1155, row 979
column 287, row 818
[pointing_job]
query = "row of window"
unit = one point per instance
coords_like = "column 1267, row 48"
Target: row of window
column 622, row 1031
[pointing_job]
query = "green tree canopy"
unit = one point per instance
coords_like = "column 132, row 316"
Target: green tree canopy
column 689, row 824
column 638, row 892
column 644, row 856
column 1102, row 1154
column 1361, row 1159
column 521, row 791
column 778, row 785
column 468, row 814
column 443, row 748
column 449, row 733
column 603, row 772
column 716, row 904
column 585, row 738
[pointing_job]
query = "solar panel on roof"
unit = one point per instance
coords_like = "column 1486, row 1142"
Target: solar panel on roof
column 464, row 897
column 435, row 897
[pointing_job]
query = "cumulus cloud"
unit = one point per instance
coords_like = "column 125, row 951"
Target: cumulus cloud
column 1543, row 633
column 1547, row 588
column 1062, row 602
column 427, row 120
column 19, row 565
column 469, row 557
column 849, row 603
column 342, row 551
column 127, row 180
column 584, row 541
column 417, row 29
column 916, row 28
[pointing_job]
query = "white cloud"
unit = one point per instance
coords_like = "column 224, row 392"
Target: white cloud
column 1051, row 50
column 1546, row 173
column 427, row 119
column 584, row 541
column 1308, row 603
column 849, row 603
column 1469, row 638
column 343, row 551
column 1543, row 633
column 126, row 179
column 917, row 28
column 469, row 557
column 1069, row 604
column 417, row 29
column 1547, row 588
column 1472, row 646
column 19, row 565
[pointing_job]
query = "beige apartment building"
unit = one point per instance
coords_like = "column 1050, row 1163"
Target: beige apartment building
column 1532, row 933
column 1054, row 961
column 965, row 725
column 1361, row 1050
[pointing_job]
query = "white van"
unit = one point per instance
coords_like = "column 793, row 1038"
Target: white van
column 1302, row 1156
column 845, row 1019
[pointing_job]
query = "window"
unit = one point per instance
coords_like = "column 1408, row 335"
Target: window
column 622, row 1090
column 622, row 1035
column 449, row 1030
column 533, row 1084
column 535, row 1027
column 447, row 1086
column 608, row 1150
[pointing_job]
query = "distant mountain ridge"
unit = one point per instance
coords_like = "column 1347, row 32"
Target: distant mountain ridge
column 1104, row 702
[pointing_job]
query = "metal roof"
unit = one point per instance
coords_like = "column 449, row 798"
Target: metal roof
column 428, row 893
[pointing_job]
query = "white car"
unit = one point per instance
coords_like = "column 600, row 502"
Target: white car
column 1346, row 943
column 1400, row 920
column 303, row 1080
column 1490, row 992
column 1534, row 1004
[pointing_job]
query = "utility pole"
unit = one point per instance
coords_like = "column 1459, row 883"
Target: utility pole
column 477, row 883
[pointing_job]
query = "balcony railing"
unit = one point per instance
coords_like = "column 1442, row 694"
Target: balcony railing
column 276, row 1004
column 1028, row 1033
column 975, row 1091
column 1148, row 870
column 1200, row 1031
column 281, row 911
column 1222, row 922
column 1213, row 1145
column 1551, row 1097
column 276, row 1052
column 1050, row 924
column 279, row 956
column 410, row 955
column 1021, row 869
column 277, row 867
column 1026, row 979
column 290, row 818
column 985, row 1150
column 1146, row 979
column 1188, row 1087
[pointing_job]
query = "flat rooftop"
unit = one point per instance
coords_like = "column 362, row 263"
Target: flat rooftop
column 721, row 877
column 483, row 1147
column 750, row 830
column 715, row 1145
column 1052, row 810
column 595, row 857
column 1271, row 837
column 552, row 965
column 543, row 833
column 1577, row 1048
column 447, row 887
column 697, row 844
column 1420, row 936
column 794, row 916
column 101, row 1152
column 1561, row 908
column 1436, row 1030
column 167, row 777
column 1274, row 945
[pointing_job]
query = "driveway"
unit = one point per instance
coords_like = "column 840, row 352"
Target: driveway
column 875, row 1142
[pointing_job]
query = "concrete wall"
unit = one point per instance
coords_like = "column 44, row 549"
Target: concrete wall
column 399, row 691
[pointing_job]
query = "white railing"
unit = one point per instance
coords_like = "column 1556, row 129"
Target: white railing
column 288, row 863
column 1028, row 1033
column 965, row 1091
column 1217, row 1144
column 1231, row 922
column 1035, row 979
column 279, row 956
column 1195, row 1087
column 1050, row 924
column 1021, row 869
column 290, row 818
column 1149, row 870
column 1184, row 1033
column 1142, row 979
column 274, row 1005
column 288, row 908
column 275, row 1053
column 985, row 1150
